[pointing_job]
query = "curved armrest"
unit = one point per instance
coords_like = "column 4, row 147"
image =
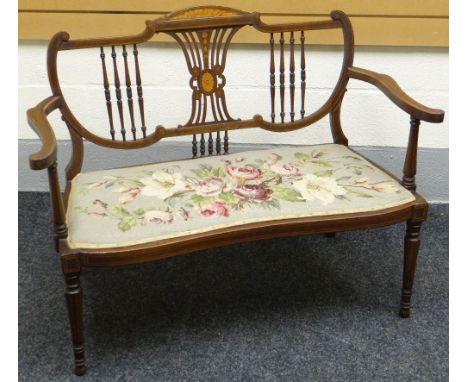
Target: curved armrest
column 37, row 119
column 391, row 89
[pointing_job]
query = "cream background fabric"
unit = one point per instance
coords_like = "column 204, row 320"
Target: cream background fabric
column 126, row 206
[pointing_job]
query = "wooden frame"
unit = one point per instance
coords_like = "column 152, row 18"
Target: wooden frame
column 206, row 23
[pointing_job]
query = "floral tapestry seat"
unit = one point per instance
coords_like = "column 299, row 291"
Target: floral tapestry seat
column 126, row 206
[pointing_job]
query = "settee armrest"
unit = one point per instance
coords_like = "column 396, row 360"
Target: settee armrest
column 37, row 119
column 393, row 91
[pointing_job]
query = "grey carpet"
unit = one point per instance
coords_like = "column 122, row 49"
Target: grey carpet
column 289, row 309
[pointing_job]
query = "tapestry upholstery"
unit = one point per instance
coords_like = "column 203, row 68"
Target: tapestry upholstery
column 133, row 205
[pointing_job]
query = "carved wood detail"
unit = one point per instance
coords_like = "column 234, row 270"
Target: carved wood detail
column 303, row 75
column 205, row 52
column 203, row 11
column 292, row 75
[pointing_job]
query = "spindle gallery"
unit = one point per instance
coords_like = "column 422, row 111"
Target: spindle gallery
column 154, row 211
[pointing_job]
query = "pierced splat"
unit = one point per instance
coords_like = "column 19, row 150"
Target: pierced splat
column 205, row 52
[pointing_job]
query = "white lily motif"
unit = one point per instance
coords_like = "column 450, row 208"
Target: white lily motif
column 321, row 188
column 162, row 184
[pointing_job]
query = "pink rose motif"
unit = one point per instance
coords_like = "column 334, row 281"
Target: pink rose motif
column 209, row 187
column 158, row 217
column 284, row 169
column 214, row 209
column 253, row 192
column 242, row 174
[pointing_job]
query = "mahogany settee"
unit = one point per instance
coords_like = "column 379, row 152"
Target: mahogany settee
column 145, row 213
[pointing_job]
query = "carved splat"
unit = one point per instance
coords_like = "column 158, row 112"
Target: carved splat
column 205, row 53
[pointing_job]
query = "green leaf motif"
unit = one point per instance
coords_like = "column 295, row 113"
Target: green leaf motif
column 270, row 204
column 341, row 197
column 218, row 172
column 136, row 182
column 343, row 178
column 359, row 193
column 201, row 173
column 253, row 165
column 302, row 157
column 148, row 172
column 324, row 173
column 274, row 157
column 271, row 179
column 208, row 172
column 139, row 212
column 126, row 223
column 174, row 198
column 321, row 163
column 228, row 198
column 288, row 194
column 120, row 211
column 202, row 200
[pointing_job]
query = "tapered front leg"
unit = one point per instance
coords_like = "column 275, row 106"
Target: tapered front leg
column 412, row 242
column 74, row 299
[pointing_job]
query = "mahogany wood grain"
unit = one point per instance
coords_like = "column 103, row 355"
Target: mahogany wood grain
column 412, row 243
column 281, row 76
column 141, row 105
column 303, row 75
column 60, row 229
column 37, row 119
column 107, row 94
column 272, row 76
column 393, row 91
column 74, row 300
column 409, row 168
column 292, row 75
column 128, row 84
column 118, row 93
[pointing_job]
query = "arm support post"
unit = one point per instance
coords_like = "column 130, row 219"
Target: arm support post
column 46, row 157
column 417, row 112
column 409, row 168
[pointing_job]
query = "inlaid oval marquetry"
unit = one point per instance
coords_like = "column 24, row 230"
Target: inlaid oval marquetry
column 207, row 82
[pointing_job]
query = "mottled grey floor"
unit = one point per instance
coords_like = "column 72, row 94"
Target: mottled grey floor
column 289, row 309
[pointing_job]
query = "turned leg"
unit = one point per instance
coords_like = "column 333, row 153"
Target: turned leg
column 330, row 234
column 412, row 242
column 74, row 299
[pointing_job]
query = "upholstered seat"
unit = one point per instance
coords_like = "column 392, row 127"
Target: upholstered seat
column 126, row 206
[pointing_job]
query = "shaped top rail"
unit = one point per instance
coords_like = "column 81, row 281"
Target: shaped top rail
column 195, row 18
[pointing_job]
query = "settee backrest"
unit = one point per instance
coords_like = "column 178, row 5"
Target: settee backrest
column 204, row 35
